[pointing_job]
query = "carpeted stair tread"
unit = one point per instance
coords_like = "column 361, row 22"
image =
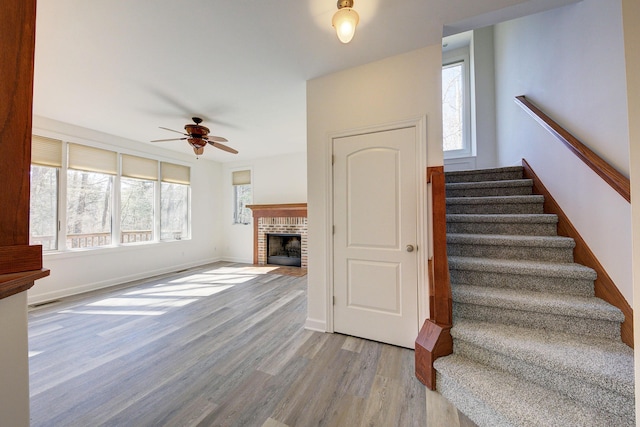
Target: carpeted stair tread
column 605, row 362
column 523, row 224
column 498, row 240
column 504, row 218
column 508, row 200
column 510, row 187
column 533, row 268
column 492, row 174
column 489, row 184
column 531, row 301
column 493, row 398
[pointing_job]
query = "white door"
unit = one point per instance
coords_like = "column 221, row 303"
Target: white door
column 374, row 243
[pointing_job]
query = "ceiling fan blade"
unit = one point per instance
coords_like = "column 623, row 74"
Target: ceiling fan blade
column 216, row 138
column 171, row 130
column 223, row 147
column 170, row 139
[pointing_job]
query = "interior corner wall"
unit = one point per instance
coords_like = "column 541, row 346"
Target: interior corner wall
column 631, row 23
column 73, row 272
column 570, row 62
column 277, row 179
column 484, row 117
column 396, row 88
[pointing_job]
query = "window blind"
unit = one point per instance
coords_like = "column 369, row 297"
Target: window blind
column 139, row 167
column 176, row 174
column 46, row 151
column 91, row 159
column 241, row 177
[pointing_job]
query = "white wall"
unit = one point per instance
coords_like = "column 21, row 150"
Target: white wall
column 484, row 114
column 278, row 179
column 394, row 89
column 80, row 271
column 570, row 62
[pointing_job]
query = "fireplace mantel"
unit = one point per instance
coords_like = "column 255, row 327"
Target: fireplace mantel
column 286, row 210
column 263, row 221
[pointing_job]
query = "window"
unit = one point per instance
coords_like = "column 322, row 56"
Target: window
column 242, row 195
column 93, row 201
column 174, row 202
column 456, row 117
column 46, row 160
column 89, row 196
column 137, row 199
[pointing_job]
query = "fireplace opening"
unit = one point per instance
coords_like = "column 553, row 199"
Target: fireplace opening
column 284, row 249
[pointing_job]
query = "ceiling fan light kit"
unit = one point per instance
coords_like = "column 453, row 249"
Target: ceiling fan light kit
column 345, row 20
column 198, row 137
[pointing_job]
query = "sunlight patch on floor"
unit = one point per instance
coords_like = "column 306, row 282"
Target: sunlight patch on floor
column 115, row 312
column 141, row 302
column 182, row 291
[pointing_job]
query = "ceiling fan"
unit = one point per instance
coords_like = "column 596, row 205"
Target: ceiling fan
column 198, row 137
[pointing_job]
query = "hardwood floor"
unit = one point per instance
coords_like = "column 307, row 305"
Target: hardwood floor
column 221, row 345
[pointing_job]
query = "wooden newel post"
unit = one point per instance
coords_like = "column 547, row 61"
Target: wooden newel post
column 434, row 339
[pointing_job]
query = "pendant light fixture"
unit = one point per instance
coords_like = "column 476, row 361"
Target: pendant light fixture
column 345, row 20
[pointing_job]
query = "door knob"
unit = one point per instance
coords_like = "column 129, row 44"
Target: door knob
column 410, row 248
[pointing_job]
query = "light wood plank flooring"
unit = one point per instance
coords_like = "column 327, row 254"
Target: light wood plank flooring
column 220, row 345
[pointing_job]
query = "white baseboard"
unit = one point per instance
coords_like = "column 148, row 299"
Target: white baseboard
column 238, row 260
column 459, row 164
column 315, row 325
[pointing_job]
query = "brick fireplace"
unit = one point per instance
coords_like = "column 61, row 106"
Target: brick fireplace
column 288, row 218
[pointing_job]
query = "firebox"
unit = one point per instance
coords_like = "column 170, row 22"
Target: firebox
column 284, row 249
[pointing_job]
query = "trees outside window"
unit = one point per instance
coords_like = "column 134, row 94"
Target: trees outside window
column 89, row 209
column 174, row 211
column 136, row 210
column 43, row 211
column 453, row 107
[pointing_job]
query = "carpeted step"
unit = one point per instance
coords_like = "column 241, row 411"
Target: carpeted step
column 597, row 372
column 493, row 174
column 562, row 278
column 589, row 316
column 515, row 224
column 515, row 187
column 494, row 398
column 531, row 204
column 538, row 248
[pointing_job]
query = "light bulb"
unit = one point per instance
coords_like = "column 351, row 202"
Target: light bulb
column 345, row 21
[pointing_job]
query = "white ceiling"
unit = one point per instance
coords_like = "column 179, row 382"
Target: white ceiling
column 128, row 67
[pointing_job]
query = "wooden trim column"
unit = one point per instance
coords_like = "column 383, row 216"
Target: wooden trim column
column 20, row 264
column 17, row 35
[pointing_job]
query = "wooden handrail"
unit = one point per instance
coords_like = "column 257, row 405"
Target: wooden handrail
column 434, row 339
column 608, row 173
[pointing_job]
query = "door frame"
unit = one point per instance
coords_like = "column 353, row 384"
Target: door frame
column 422, row 239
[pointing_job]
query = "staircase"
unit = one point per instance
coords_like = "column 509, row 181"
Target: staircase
column 533, row 346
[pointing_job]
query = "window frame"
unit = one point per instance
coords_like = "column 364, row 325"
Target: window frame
column 451, row 58
column 234, row 197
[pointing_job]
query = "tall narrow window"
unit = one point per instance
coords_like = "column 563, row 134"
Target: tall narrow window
column 137, row 194
column 89, row 196
column 46, row 161
column 456, row 113
column 174, row 202
column 453, row 107
column 242, row 195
